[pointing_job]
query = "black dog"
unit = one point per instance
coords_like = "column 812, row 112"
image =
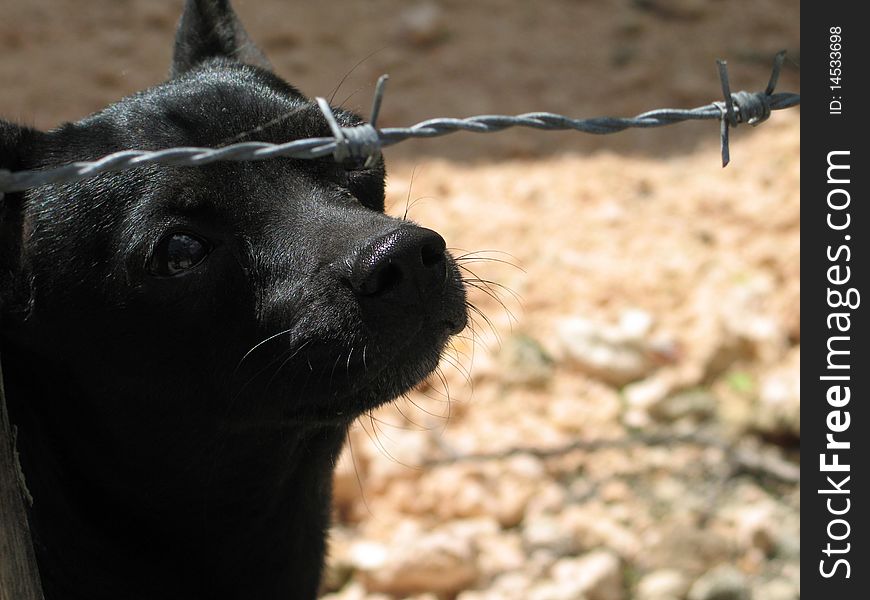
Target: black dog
column 185, row 348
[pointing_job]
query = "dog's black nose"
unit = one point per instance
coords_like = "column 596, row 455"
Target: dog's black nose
column 406, row 265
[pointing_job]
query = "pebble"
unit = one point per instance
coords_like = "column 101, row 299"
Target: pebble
column 664, row 584
column 417, row 562
column 721, row 583
column 593, row 576
column 509, row 586
column 757, row 528
column 777, row 589
column 615, row 353
column 681, row 545
column 778, row 408
column 698, row 404
column 524, row 361
column 599, row 573
column 550, row 534
column 422, row 24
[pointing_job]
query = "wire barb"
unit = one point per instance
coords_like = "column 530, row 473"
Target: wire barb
column 358, row 143
column 362, row 144
column 745, row 107
column 380, row 86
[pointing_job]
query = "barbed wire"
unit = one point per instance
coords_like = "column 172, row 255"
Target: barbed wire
column 364, row 142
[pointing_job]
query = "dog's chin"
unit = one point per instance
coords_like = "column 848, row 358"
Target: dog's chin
column 354, row 379
column 391, row 382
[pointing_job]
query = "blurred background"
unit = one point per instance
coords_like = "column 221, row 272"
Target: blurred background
column 622, row 420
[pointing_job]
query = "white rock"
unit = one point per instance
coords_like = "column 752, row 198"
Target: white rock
column 664, row 584
column 500, row 553
column 422, row 23
column 369, row 556
column 550, row 590
column 525, row 465
column 416, row 562
column 594, row 529
column 524, row 361
column 721, row 583
column 778, row 589
column 616, row 354
column 635, row 325
column 649, row 392
column 596, row 576
column 778, row 410
column 757, row 528
column 509, row 586
column 550, row 534
column 550, row 498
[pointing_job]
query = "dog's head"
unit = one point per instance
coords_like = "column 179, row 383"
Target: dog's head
column 275, row 290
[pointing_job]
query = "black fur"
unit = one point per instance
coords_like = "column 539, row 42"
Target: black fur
column 184, row 348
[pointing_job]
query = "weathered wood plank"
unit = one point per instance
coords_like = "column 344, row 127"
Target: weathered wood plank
column 19, row 576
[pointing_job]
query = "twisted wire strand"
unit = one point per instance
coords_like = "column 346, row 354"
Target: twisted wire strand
column 364, row 142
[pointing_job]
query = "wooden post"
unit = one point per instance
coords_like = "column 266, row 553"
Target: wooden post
column 19, row 575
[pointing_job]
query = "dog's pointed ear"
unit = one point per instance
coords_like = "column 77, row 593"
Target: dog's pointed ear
column 210, row 29
column 18, row 147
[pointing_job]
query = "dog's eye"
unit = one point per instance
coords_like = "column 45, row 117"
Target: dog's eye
column 178, row 252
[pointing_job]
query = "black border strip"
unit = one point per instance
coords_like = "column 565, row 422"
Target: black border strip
column 835, row 261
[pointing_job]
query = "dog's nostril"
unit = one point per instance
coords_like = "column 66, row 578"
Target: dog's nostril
column 406, row 264
column 383, row 279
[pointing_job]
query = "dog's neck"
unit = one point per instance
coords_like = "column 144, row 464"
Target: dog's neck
column 217, row 518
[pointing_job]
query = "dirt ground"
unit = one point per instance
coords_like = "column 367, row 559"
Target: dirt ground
column 622, row 421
